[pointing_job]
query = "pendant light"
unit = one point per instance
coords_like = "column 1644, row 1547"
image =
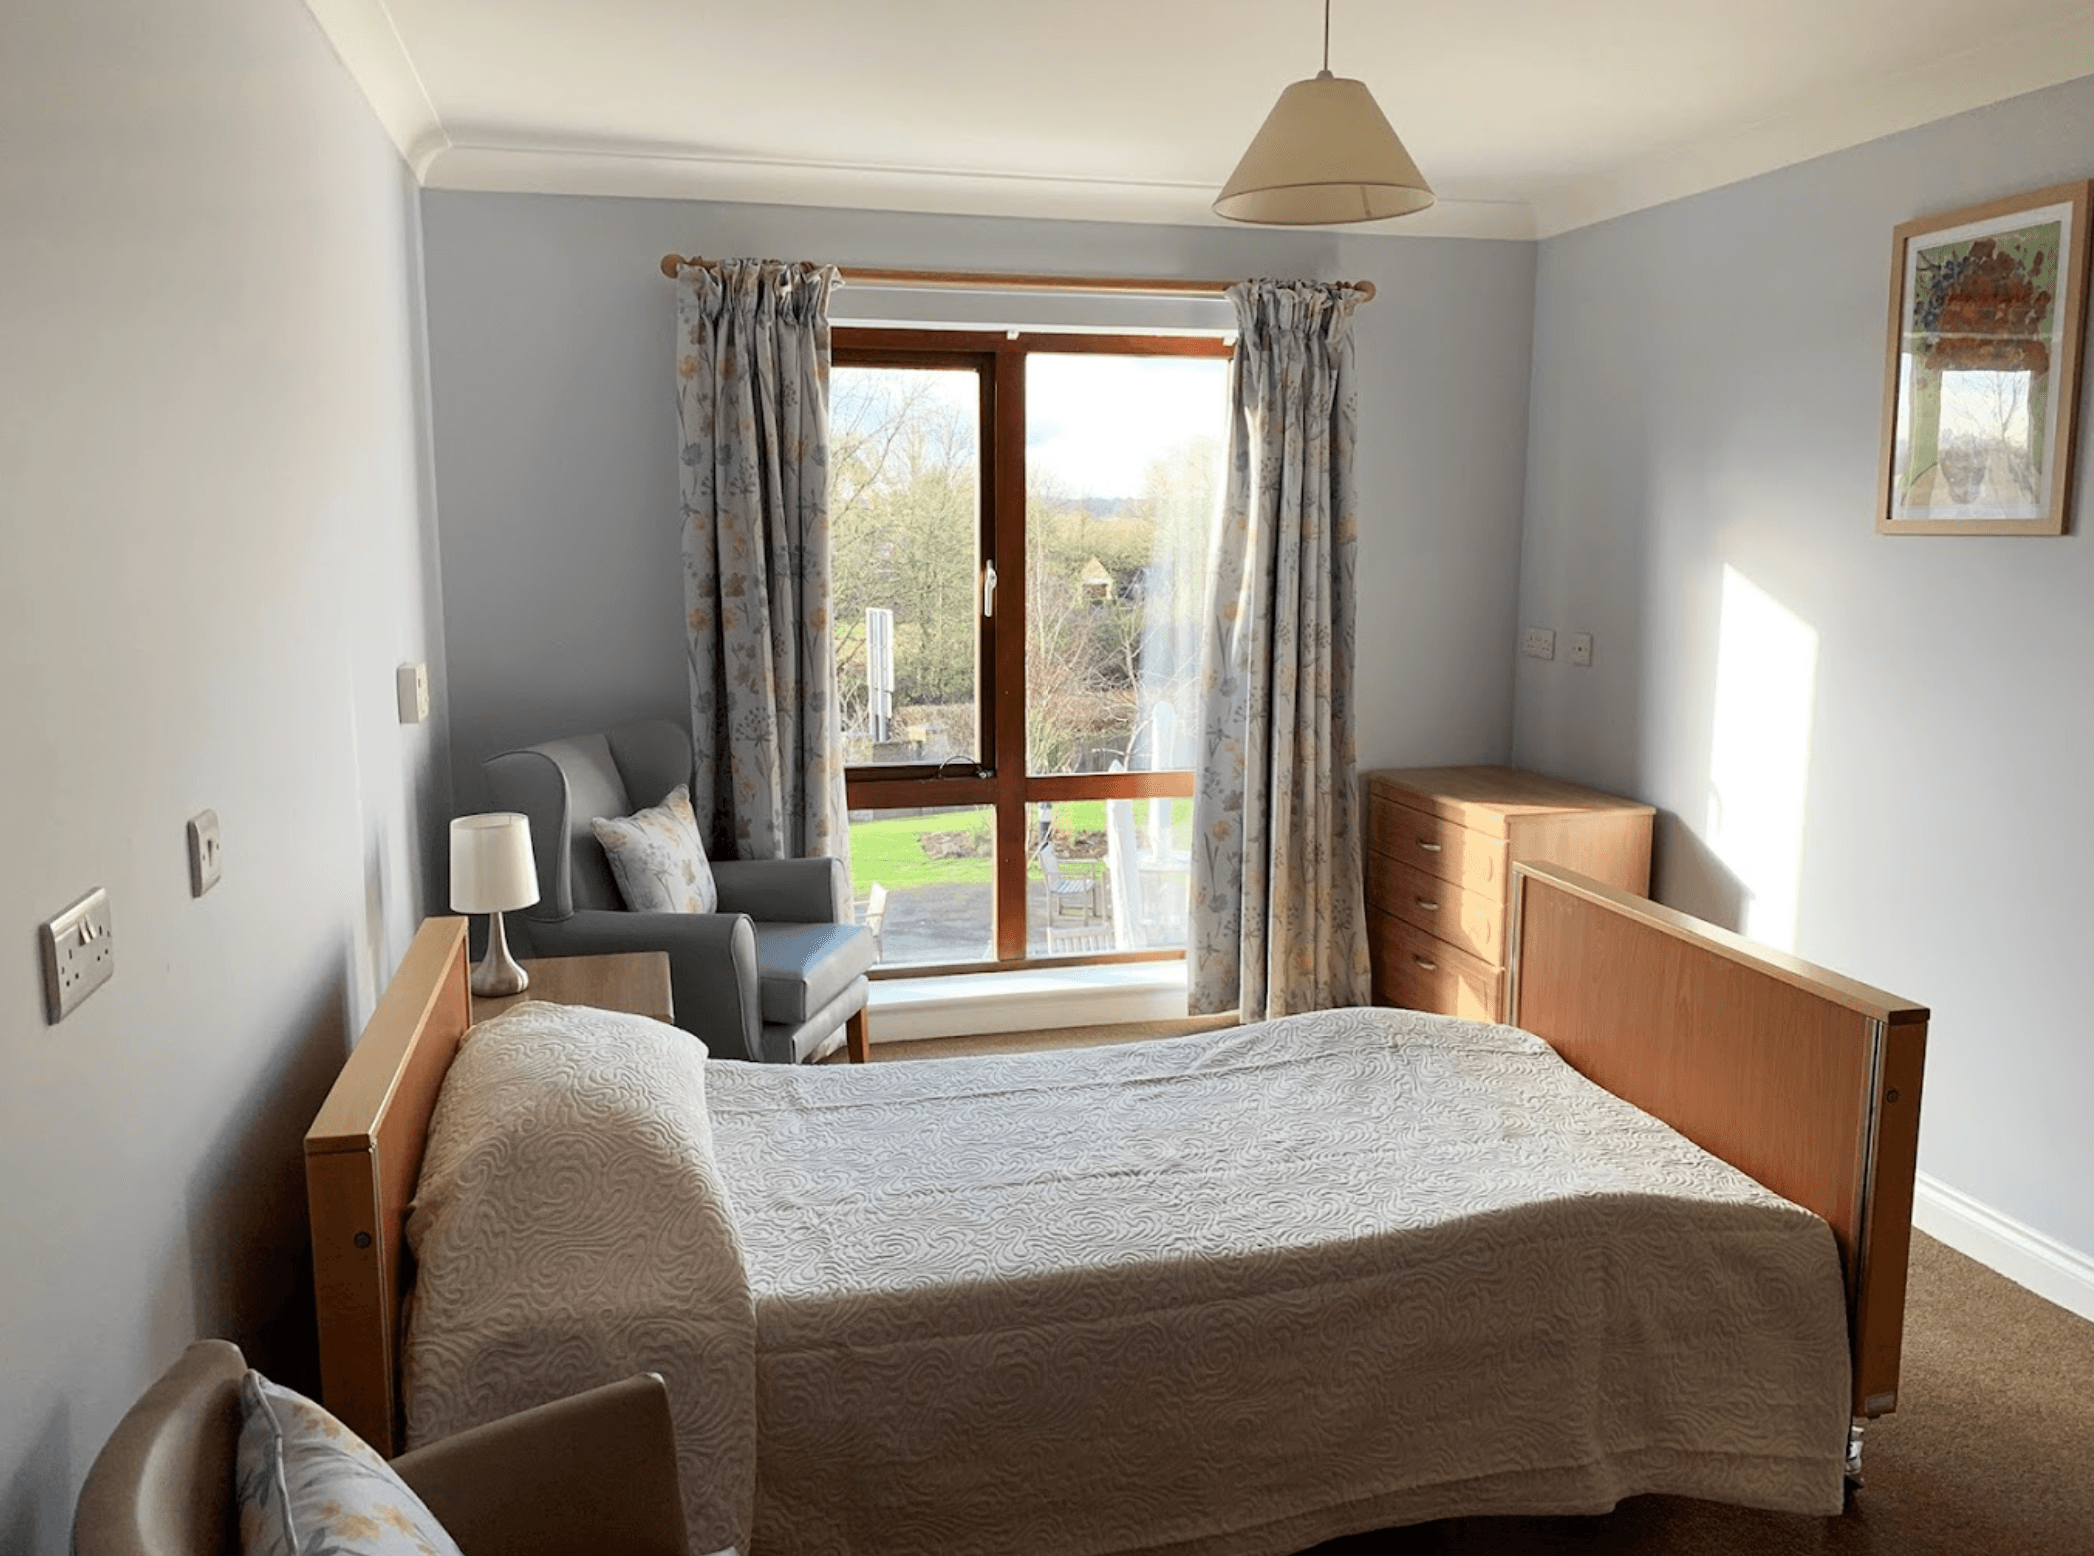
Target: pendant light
column 1324, row 156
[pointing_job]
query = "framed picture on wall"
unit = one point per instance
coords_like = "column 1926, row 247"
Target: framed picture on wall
column 1981, row 377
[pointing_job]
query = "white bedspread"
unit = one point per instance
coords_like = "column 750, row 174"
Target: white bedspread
column 1234, row 1293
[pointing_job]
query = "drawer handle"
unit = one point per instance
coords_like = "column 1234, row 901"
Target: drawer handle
column 1429, row 907
column 1430, row 848
column 1428, row 966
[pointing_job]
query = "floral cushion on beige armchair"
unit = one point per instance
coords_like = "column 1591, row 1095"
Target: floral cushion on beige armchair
column 658, row 857
column 306, row 1485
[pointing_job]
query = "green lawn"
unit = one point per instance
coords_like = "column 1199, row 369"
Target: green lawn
column 889, row 851
column 1089, row 816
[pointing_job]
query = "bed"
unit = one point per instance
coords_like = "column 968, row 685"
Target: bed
column 1167, row 1342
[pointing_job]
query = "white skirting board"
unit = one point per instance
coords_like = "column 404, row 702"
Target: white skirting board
column 972, row 1004
column 2021, row 1253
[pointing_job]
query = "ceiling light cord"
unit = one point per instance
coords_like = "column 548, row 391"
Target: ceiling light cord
column 1326, row 37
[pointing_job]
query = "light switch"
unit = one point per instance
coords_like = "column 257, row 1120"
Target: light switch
column 79, row 954
column 414, row 693
column 1539, row 643
column 205, row 852
column 1581, row 648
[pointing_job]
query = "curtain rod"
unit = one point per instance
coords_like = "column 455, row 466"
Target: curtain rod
column 984, row 280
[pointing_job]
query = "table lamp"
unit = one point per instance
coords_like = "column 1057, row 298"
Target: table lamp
column 491, row 872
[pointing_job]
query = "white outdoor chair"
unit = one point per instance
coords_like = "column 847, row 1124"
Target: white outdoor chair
column 876, row 916
column 1075, row 895
column 1148, row 884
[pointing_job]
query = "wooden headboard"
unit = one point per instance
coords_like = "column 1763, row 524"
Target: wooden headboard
column 362, row 1157
column 1806, row 1080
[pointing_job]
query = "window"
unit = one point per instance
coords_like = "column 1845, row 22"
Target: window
column 1021, row 529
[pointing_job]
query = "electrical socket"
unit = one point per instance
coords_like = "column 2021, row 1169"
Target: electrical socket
column 79, row 954
column 206, row 854
column 411, row 684
column 1539, row 643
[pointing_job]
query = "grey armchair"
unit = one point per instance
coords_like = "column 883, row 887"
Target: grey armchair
column 777, row 974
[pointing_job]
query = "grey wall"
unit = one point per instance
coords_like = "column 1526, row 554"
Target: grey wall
column 218, row 543
column 1882, row 756
column 550, row 338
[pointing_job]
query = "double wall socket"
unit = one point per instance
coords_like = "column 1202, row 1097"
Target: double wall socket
column 1540, row 643
column 79, row 954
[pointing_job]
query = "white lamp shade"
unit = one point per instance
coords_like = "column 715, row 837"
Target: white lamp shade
column 1325, row 156
column 491, row 866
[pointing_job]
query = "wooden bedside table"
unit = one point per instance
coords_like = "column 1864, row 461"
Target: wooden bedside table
column 636, row 982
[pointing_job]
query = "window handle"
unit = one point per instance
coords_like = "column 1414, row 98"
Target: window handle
column 989, row 589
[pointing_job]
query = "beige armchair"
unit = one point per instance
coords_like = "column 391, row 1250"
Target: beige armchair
column 595, row 1473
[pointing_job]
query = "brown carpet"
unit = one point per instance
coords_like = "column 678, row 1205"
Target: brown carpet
column 1991, row 1449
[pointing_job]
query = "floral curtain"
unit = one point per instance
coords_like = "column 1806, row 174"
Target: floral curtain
column 1278, row 918
column 752, row 371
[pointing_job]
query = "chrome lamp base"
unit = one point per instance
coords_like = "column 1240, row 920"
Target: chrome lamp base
column 498, row 973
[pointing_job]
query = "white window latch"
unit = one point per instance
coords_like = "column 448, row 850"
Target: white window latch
column 988, row 588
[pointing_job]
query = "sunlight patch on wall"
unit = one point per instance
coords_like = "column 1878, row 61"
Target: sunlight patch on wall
column 1759, row 753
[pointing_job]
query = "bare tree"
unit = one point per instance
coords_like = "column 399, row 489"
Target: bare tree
column 904, row 466
column 904, row 469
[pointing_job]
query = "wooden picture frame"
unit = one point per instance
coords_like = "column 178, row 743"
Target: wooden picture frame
column 1981, row 367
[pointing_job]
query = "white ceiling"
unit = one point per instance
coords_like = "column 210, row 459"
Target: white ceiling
column 1529, row 116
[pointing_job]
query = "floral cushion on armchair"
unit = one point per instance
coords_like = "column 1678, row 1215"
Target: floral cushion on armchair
column 659, row 858
column 308, row 1486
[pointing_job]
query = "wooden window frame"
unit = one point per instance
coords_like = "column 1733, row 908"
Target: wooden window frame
column 1000, row 779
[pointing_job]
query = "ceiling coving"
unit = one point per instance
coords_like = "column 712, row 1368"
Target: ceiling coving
column 1533, row 116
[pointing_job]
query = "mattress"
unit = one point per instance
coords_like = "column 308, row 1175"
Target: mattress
column 1232, row 1293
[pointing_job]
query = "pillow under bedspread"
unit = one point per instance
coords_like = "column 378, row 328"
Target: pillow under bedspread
column 568, row 1231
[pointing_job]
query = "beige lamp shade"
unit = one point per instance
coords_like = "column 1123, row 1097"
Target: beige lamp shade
column 1325, row 156
column 491, row 866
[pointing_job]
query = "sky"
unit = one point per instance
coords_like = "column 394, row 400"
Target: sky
column 1094, row 423
column 1097, row 422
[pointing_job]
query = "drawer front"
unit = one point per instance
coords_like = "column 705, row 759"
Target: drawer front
column 1473, row 921
column 1437, row 847
column 1417, row 972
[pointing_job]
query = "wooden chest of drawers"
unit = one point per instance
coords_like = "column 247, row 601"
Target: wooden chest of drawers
column 1441, row 844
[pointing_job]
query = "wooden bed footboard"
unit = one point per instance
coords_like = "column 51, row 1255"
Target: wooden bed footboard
column 1807, row 1081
